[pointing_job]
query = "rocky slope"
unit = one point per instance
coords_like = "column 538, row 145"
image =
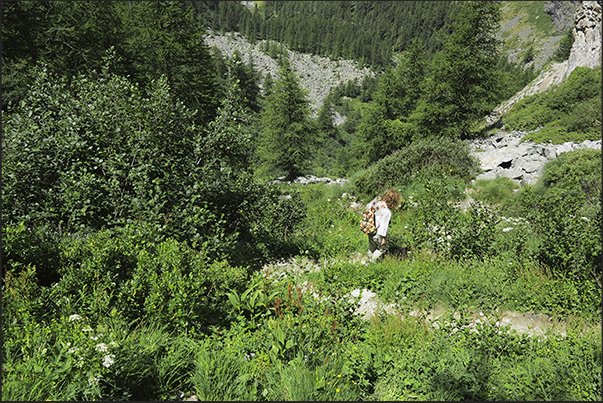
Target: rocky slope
column 318, row 75
column 503, row 154
column 586, row 51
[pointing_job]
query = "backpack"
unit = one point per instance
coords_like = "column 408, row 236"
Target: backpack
column 367, row 222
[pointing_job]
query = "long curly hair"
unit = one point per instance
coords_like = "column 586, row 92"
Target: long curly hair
column 392, row 199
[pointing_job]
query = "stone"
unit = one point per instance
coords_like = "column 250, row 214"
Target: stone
column 502, row 155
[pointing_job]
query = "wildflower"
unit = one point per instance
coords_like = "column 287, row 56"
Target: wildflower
column 507, row 229
column 109, row 360
column 93, row 381
column 74, row 317
column 102, row 347
column 87, row 329
column 339, row 376
column 337, row 390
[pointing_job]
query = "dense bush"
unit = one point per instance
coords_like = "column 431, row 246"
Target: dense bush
column 571, row 112
column 128, row 273
column 578, row 170
column 98, row 154
column 421, row 159
column 563, row 210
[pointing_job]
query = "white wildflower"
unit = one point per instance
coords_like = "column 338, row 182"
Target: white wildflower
column 74, row 317
column 507, row 229
column 102, row 347
column 109, row 360
column 87, row 329
column 93, row 381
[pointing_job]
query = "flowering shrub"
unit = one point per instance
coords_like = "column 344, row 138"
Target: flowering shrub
column 65, row 359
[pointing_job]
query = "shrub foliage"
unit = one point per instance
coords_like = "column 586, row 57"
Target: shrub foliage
column 443, row 157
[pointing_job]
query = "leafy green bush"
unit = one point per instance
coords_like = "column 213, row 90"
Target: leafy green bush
column 486, row 362
column 436, row 222
column 166, row 283
column 575, row 170
column 97, row 153
column 564, row 211
column 421, row 160
column 570, row 112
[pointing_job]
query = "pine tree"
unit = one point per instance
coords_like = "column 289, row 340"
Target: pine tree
column 288, row 136
column 463, row 85
column 247, row 81
column 385, row 129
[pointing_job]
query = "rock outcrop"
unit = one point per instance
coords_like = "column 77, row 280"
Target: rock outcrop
column 506, row 155
column 562, row 13
column 586, row 51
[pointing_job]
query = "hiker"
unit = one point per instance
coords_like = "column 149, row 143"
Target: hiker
column 384, row 205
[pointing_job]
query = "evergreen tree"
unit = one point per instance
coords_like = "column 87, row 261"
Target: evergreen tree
column 385, row 128
column 463, row 85
column 164, row 38
column 248, row 81
column 268, row 84
column 288, row 136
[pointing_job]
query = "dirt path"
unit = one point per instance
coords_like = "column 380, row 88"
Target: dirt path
column 369, row 304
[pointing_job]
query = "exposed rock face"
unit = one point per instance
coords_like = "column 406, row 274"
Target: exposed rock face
column 505, row 155
column 586, row 52
column 562, row 13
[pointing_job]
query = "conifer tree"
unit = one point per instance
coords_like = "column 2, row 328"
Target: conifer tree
column 384, row 128
column 464, row 83
column 288, row 135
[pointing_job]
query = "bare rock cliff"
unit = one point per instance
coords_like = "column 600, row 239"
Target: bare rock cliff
column 586, row 52
column 562, row 13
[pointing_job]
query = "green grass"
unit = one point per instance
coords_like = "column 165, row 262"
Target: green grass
column 570, row 112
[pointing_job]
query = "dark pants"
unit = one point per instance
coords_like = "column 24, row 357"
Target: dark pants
column 375, row 243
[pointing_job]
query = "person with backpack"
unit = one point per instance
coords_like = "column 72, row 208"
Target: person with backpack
column 376, row 218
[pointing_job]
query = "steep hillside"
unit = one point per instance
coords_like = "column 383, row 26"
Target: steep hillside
column 530, row 32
